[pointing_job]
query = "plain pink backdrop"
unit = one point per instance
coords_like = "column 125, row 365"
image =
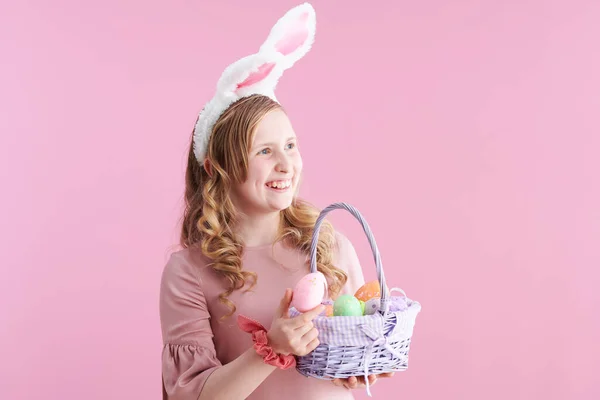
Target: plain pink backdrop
column 466, row 132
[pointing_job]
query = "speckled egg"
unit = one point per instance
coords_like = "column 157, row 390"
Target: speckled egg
column 347, row 305
column 372, row 305
column 368, row 291
column 309, row 292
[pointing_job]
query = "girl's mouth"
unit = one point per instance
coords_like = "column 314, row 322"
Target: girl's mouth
column 279, row 186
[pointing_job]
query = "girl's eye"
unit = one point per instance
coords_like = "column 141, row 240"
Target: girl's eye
column 291, row 145
column 264, row 151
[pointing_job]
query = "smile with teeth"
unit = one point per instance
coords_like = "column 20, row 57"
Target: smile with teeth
column 280, row 184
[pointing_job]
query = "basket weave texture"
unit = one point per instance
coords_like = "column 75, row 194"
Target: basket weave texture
column 361, row 345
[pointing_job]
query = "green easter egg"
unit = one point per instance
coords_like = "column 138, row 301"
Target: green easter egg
column 362, row 307
column 348, row 306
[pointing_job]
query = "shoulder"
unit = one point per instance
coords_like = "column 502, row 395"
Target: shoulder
column 343, row 252
column 184, row 265
column 346, row 259
column 342, row 246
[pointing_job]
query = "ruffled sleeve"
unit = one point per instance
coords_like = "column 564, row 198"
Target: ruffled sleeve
column 347, row 259
column 188, row 356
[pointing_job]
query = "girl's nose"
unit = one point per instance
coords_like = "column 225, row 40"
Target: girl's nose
column 283, row 164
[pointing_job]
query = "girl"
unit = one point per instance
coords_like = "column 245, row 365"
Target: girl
column 246, row 237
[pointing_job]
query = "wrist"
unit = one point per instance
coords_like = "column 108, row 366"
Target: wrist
column 258, row 360
column 261, row 344
column 274, row 346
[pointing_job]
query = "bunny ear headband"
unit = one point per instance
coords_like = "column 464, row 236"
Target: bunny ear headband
column 289, row 40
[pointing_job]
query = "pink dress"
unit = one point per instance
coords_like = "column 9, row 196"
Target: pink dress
column 196, row 342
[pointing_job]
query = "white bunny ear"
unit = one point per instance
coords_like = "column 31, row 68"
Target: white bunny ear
column 293, row 35
column 289, row 40
column 255, row 74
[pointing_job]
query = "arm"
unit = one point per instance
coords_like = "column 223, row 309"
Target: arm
column 237, row 379
column 242, row 376
column 190, row 367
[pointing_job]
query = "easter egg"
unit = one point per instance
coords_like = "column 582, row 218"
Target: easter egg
column 309, row 292
column 347, row 305
column 362, row 306
column 372, row 305
column 329, row 310
column 368, row 291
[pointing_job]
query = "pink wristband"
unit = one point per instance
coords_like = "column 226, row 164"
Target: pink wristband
column 261, row 344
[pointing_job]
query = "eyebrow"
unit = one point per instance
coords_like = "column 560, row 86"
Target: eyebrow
column 272, row 144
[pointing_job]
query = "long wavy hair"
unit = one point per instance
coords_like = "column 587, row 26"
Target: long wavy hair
column 210, row 216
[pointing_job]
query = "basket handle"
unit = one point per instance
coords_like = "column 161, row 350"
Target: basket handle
column 370, row 237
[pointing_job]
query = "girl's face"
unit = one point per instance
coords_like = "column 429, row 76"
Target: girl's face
column 274, row 167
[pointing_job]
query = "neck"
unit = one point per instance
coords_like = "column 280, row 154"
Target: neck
column 258, row 230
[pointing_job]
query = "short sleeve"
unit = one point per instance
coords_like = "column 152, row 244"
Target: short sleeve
column 347, row 260
column 188, row 355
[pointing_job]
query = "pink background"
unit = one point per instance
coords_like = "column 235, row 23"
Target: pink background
column 466, row 132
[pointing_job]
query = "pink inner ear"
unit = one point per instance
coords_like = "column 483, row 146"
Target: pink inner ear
column 263, row 71
column 295, row 37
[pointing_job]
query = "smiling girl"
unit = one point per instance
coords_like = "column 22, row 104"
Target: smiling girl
column 246, row 237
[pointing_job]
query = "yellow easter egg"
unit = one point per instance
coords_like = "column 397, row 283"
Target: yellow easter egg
column 368, row 291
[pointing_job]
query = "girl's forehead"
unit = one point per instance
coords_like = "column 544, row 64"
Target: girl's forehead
column 275, row 126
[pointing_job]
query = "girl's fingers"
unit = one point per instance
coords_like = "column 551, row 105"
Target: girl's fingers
column 352, row 382
column 307, row 317
column 310, row 335
column 312, row 345
column 304, row 329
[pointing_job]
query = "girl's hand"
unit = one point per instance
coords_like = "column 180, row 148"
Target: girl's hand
column 359, row 381
column 296, row 335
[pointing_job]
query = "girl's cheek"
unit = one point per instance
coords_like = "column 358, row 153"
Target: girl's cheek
column 299, row 162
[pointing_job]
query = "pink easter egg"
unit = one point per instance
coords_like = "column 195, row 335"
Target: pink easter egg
column 309, row 292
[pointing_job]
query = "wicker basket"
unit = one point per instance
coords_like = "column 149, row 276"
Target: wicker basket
column 361, row 345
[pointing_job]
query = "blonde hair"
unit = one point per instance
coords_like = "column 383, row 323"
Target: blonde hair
column 210, row 214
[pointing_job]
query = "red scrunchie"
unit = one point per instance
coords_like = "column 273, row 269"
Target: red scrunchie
column 261, row 344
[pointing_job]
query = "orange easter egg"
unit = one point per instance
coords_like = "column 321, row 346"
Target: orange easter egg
column 329, row 310
column 368, row 291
